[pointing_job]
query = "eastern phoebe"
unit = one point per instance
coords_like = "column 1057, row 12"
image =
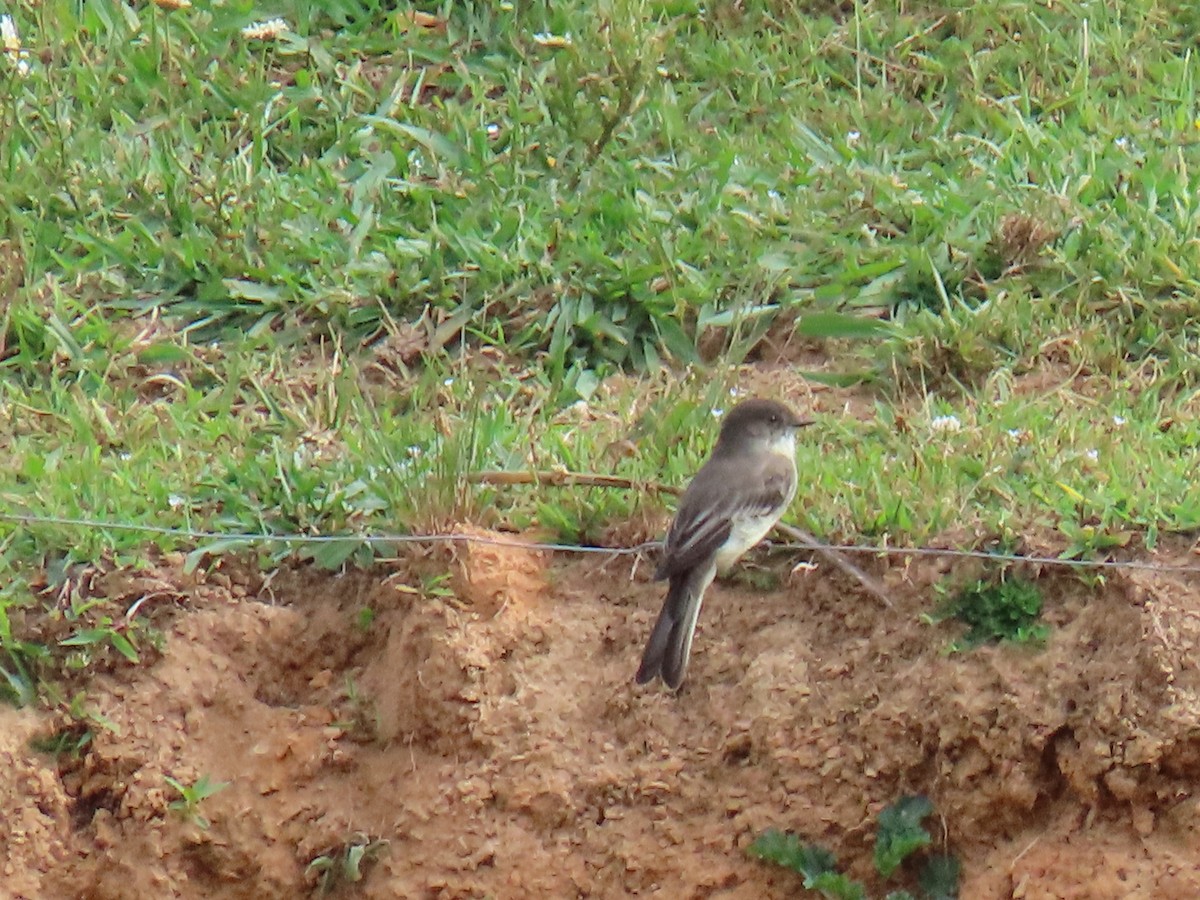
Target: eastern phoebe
column 731, row 504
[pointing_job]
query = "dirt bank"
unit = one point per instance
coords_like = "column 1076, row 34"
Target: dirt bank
column 483, row 737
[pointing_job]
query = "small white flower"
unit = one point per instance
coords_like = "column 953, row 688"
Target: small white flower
column 853, row 136
column 946, row 423
column 174, row 501
column 546, row 39
column 1122, row 142
column 269, row 30
column 446, row 382
column 1016, row 433
column 774, row 195
column 492, row 129
column 11, row 43
column 415, row 451
column 663, row 71
column 1093, row 455
column 1118, row 421
column 717, row 412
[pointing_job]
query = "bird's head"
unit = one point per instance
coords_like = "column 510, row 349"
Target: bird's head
column 761, row 420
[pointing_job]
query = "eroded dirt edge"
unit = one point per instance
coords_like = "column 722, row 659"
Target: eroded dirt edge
column 489, row 739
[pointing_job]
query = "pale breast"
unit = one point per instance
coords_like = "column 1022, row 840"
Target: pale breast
column 746, row 532
column 749, row 530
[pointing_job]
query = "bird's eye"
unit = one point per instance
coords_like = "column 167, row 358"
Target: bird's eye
column 774, row 417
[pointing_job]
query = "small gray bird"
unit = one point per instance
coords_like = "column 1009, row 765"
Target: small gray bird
column 731, row 504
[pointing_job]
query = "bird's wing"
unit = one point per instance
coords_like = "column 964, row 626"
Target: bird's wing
column 709, row 506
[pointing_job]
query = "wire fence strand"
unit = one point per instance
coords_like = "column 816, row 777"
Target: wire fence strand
column 458, row 537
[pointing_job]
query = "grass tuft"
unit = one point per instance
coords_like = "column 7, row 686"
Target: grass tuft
column 1007, row 610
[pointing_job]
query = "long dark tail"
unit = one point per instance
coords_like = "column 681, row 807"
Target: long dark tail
column 670, row 643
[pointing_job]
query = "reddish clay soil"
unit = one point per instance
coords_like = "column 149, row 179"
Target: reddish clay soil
column 488, row 736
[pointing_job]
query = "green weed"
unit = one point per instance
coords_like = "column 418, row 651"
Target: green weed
column 70, row 740
column 1005, row 610
column 192, row 796
column 344, row 864
column 899, row 835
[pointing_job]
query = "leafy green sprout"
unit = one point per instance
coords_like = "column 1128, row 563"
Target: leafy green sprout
column 191, row 796
column 817, row 865
column 362, row 722
column 899, row 835
column 345, row 864
column 364, row 619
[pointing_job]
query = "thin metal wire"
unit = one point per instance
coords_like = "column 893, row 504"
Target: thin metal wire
column 521, row 544
column 260, row 538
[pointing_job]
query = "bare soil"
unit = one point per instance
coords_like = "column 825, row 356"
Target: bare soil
column 488, row 741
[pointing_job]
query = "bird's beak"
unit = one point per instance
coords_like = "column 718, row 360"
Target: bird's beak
column 802, row 423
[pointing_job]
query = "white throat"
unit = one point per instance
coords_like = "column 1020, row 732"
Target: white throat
column 784, row 444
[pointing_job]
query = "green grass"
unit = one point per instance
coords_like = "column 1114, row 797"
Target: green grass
column 305, row 286
column 607, row 200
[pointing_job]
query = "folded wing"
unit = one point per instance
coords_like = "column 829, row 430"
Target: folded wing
column 719, row 494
